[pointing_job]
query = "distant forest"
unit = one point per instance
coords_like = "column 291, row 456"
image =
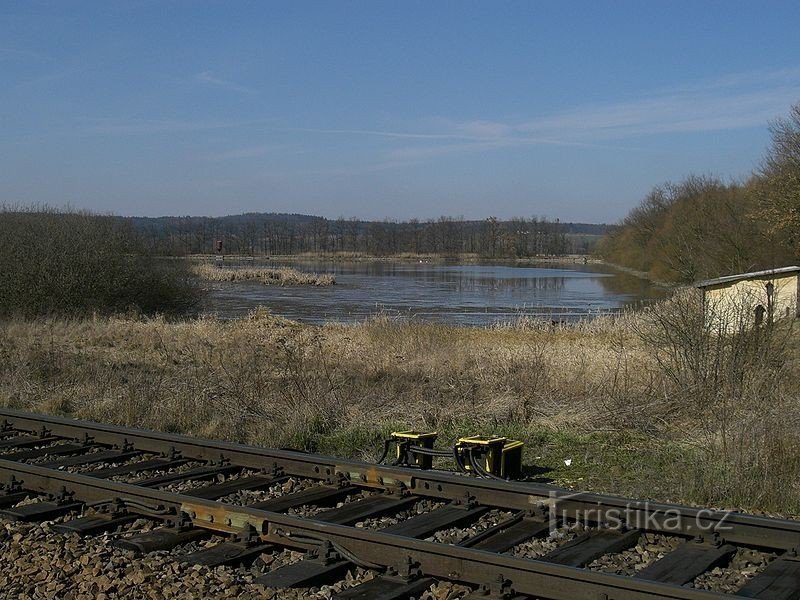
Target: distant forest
column 704, row 227
column 288, row 234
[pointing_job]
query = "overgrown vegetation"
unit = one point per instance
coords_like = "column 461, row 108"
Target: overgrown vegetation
column 735, row 392
column 282, row 276
column 702, row 227
column 645, row 404
column 75, row 263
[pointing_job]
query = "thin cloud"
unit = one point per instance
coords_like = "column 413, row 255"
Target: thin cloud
column 208, row 78
column 742, row 79
column 730, row 102
column 733, row 102
column 388, row 134
column 132, row 126
column 443, row 136
column 412, row 154
column 485, row 129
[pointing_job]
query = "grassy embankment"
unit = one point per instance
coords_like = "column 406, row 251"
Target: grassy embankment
column 645, row 404
column 283, row 276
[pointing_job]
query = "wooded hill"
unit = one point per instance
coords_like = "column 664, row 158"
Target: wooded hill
column 703, row 227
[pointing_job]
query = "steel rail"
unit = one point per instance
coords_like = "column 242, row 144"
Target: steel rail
column 671, row 519
column 538, row 578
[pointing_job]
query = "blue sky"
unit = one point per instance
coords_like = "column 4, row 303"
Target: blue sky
column 385, row 109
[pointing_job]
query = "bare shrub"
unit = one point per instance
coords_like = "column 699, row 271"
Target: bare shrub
column 727, row 386
column 76, row 263
column 707, row 363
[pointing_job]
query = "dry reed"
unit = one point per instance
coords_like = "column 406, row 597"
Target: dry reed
column 597, row 390
column 281, row 276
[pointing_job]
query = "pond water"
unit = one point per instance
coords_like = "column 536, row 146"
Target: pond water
column 460, row 294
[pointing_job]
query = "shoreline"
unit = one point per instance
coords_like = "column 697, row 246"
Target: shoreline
column 403, row 258
column 640, row 274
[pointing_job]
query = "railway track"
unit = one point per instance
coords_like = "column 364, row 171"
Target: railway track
column 409, row 527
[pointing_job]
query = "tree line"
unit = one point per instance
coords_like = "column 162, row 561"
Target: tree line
column 281, row 234
column 704, row 227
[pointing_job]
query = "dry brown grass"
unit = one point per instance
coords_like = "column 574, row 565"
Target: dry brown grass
column 271, row 381
column 262, row 365
column 596, row 389
column 282, row 276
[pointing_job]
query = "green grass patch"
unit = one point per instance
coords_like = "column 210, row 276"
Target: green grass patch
column 613, row 462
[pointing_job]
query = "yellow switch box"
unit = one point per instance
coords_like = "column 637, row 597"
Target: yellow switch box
column 496, row 455
column 417, row 438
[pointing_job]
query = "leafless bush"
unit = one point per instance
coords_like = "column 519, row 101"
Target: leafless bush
column 708, row 361
column 76, row 263
column 726, row 385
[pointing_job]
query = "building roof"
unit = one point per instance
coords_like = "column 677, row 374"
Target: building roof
column 753, row 275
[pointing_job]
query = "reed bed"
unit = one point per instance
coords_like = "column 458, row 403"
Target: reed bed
column 280, row 276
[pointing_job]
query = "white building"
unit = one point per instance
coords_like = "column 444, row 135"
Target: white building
column 741, row 301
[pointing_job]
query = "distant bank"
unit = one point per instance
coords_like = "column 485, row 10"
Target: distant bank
column 272, row 234
column 405, row 257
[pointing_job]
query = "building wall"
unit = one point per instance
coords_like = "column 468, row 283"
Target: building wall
column 732, row 306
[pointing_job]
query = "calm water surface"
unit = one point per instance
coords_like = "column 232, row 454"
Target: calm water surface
column 462, row 294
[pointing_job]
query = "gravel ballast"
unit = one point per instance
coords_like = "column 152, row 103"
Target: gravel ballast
column 40, row 563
